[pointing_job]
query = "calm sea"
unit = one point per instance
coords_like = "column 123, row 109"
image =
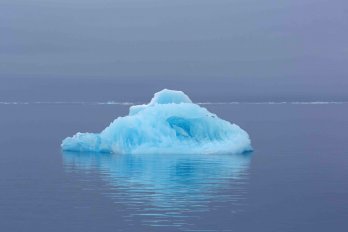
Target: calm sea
column 295, row 180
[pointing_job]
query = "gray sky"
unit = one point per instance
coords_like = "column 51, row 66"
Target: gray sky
column 244, row 49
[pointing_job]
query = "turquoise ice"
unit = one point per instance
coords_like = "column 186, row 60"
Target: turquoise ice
column 170, row 123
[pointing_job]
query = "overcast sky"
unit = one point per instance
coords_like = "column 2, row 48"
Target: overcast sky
column 246, row 49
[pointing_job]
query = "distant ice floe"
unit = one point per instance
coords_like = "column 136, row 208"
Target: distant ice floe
column 170, row 123
column 198, row 103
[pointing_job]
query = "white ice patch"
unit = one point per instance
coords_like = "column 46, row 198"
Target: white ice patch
column 170, row 123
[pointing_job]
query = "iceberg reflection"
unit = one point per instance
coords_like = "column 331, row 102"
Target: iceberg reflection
column 159, row 186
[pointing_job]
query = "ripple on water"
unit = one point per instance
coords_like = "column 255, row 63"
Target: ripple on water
column 166, row 190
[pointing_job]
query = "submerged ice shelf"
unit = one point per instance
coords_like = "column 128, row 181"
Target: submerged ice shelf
column 170, row 123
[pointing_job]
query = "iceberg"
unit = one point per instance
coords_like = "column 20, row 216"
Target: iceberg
column 170, row 123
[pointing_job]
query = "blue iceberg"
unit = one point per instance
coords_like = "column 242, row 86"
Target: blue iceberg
column 169, row 124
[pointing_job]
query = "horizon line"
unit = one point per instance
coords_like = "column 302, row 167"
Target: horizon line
column 140, row 103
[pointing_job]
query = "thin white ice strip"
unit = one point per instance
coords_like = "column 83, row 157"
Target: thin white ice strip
column 199, row 103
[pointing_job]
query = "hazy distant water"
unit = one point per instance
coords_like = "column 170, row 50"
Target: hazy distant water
column 248, row 50
column 296, row 180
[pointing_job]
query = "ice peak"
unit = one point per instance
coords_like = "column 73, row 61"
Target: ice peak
column 167, row 96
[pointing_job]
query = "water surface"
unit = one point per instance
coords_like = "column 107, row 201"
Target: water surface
column 295, row 180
